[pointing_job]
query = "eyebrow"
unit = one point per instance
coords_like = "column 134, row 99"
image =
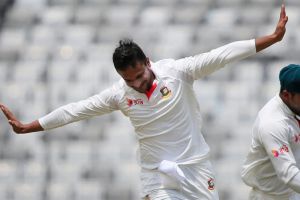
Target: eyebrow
column 138, row 76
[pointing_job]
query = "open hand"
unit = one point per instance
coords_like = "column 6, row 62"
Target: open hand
column 17, row 126
column 280, row 28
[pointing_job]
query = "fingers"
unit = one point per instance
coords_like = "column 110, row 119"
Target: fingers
column 2, row 107
column 11, row 122
column 7, row 113
column 16, row 126
column 283, row 18
column 282, row 12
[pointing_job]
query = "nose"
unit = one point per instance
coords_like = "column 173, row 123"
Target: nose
column 136, row 84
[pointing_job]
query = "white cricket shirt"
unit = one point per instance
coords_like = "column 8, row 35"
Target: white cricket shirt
column 168, row 123
column 273, row 159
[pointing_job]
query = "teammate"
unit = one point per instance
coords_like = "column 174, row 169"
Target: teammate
column 272, row 165
column 159, row 100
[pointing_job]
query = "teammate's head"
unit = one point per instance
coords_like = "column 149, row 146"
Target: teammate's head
column 133, row 66
column 289, row 77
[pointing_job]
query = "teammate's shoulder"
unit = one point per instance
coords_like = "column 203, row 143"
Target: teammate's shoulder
column 276, row 126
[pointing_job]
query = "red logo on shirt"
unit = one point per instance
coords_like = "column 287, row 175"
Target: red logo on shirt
column 282, row 150
column 297, row 138
column 275, row 153
column 132, row 102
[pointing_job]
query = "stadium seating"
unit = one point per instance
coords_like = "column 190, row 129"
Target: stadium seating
column 53, row 52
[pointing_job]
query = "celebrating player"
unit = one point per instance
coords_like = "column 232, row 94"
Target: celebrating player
column 272, row 165
column 159, row 100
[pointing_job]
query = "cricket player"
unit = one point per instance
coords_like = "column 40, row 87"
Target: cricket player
column 159, row 99
column 272, row 165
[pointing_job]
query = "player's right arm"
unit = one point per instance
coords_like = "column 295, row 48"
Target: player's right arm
column 17, row 126
column 100, row 104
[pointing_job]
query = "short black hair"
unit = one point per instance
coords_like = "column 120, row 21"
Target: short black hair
column 128, row 53
column 282, row 89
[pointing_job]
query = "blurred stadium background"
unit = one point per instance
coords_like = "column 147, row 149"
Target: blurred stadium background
column 53, row 52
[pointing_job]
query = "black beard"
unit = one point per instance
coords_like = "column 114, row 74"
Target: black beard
column 297, row 112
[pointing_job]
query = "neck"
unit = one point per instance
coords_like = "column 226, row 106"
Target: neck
column 152, row 78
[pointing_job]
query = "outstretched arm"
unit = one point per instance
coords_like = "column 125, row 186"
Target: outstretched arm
column 102, row 103
column 266, row 41
column 17, row 126
column 206, row 63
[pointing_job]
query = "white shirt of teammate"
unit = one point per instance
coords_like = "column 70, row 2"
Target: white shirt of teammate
column 274, row 156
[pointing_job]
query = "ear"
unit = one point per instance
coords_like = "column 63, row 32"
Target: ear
column 285, row 95
column 148, row 62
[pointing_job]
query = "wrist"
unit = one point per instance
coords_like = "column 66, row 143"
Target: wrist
column 24, row 128
column 275, row 37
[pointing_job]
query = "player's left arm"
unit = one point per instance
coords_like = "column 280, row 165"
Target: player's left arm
column 266, row 41
column 275, row 137
column 206, row 63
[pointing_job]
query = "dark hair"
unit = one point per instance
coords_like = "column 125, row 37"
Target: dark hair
column 127, row 54
column 281, row 89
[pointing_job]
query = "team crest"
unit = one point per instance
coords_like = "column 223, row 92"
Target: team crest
column 166, row 92
column 211, row 184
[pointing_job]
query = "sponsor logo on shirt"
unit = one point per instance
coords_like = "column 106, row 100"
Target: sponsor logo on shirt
column 166, row 92
column 282, row 150
column 275, row 153
column 211, row 184
column 133, row 102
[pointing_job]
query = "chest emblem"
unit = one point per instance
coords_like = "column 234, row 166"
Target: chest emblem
column 211, row 184
column 165, row 92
